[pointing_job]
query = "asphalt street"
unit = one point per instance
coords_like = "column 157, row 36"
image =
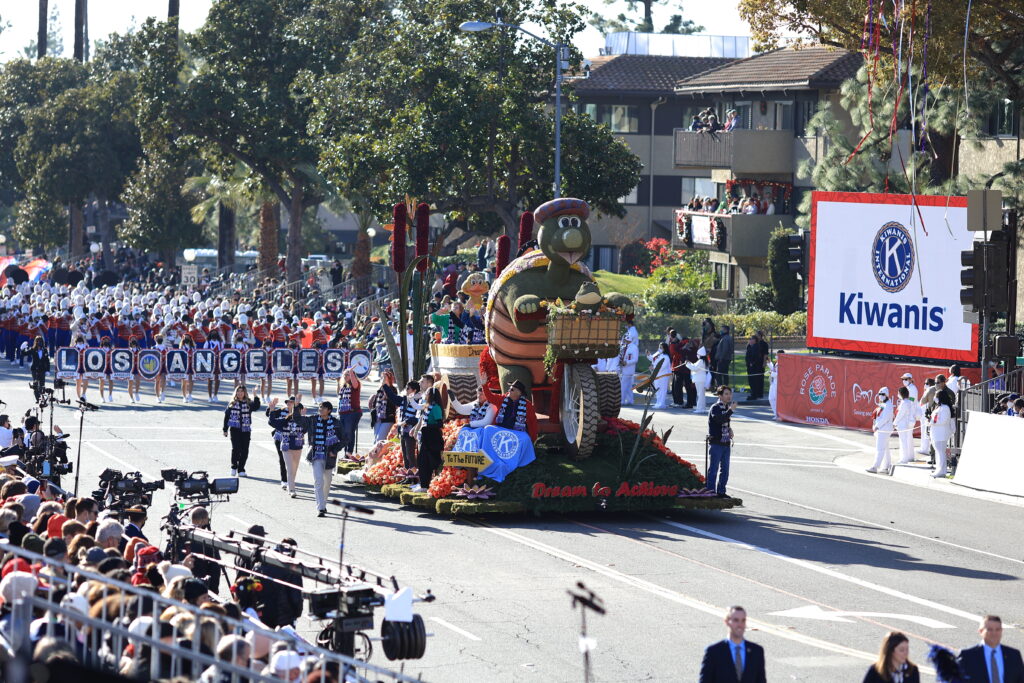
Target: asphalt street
column 825, row 558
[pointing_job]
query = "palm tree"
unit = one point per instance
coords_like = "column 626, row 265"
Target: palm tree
column 80, row 11
column 270, row 226
column 173, row 8
column 43, row 32
column 227, row 197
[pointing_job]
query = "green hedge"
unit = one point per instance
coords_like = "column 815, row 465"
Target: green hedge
column 653, row 326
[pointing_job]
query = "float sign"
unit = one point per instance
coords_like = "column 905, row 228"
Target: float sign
column 67, row 362
column 882, row 276
column 477, row 460
column 230, row 363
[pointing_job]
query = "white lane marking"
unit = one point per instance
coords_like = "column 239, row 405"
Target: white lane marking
column 785, row 464
column 158, row 440
column 240, row 521
column 453, row 627
column 826, row 571
column 817, row 613
column 779, row 446
column 156, row 428
column 807, row 430
column 677, row 597
column 127, row 465
column 879, row 526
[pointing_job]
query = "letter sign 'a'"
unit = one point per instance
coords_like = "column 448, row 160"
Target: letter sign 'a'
column 177, row 363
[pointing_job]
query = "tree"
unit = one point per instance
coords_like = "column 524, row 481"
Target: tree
column 40, row 221
column 241, row 103
column 623, row 22
column 158, row 212
column 226, row 198
column 785, row 286
column 995, row 39
column 81, row 10
column 470, row 129
column 44, row 32
column 53, row 44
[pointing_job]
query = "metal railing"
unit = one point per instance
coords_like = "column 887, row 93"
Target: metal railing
column 982, row 397
column 103, row 643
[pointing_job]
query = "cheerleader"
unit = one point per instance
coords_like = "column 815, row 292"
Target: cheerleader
column 291, row 429
column 242, row 347
column 135, row 380
column 160, row 382
column 107, row 346
column 189, row 346
column 214, row 342
column 349, row 412
column 292, row 382
column 238, row 424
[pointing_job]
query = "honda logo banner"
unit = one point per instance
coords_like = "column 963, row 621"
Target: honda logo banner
column 883, row 276
column 842, row 392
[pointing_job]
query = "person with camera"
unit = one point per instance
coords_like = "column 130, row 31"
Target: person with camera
column 35, row 439
column 324, row 439
column 136, row 520
column 6, row 432
column 238, row 423
column 282, row 604
column 206, row 570
column 39, row 365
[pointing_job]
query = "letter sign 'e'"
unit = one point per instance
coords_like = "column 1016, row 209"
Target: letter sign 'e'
column 256, row 361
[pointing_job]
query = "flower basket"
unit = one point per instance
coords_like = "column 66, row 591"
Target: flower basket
column 584, row 335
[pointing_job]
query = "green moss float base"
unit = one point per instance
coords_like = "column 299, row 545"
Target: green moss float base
column 605, row 481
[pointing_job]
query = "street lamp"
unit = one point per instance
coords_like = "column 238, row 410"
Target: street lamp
column 94, row 248
column 561, row 62
column 189, row 255
column 371, row 233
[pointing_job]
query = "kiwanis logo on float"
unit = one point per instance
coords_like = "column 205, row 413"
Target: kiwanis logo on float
column 818, row 384
column 892, row 257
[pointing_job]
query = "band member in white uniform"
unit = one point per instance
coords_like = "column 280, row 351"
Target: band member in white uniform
column 882, row 427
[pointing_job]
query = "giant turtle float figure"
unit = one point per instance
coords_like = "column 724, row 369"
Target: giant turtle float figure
column 544, row 305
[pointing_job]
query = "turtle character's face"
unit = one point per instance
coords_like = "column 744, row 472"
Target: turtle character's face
column 589, row 294
column 565, row 238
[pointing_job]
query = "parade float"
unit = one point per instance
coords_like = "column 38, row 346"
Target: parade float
column 547, row 324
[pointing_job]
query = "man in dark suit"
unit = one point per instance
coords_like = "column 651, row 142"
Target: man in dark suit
column 733, row 660
column 989, row 661
column 136, row 520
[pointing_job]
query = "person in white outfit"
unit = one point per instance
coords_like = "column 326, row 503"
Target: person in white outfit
column 662, row 366
column 906, row 416
column 773, row 388
column 882, row 427
column 942, row 427
column 627, row 371
column 923, row 413
column 699, row 374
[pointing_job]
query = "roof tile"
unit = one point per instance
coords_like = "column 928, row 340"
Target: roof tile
column 806, row 67
column 643, row 73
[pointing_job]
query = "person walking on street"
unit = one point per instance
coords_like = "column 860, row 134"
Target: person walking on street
column 720, row 439
column 942, row 426
column 291, row 429
column 349, row 411
column 893, row 664
column 278, row 413
column 881, row 426
column 735, row 659
column 39, row 366
column 322, row 435
column 661, row 375
column 238, row 424
column 990, row 660
column 906, row 415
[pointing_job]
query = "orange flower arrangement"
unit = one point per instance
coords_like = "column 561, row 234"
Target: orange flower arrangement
column 450, row 431
column 441, row 485
column 386, row 470
column 619, row 426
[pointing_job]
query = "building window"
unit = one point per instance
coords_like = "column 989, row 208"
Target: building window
column 720, row 275
column 742, row 114
column 805, row 110
column 783, row 116
column 698, row 187
column 631, row 198
column 1003, row 121
column 621, row 118
column 603, row 257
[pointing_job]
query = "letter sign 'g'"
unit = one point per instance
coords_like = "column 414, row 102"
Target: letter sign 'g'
column 230, row 362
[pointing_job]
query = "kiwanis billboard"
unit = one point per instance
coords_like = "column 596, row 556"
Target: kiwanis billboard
column 884, row 276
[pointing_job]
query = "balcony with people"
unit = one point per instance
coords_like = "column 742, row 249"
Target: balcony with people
column 740, row 223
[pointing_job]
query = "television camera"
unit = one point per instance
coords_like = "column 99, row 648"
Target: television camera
column 198, row 488
column 49, row 460
column 119, row 491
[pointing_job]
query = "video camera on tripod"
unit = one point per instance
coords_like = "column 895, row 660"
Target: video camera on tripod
column 119, row 491
column 198, row 488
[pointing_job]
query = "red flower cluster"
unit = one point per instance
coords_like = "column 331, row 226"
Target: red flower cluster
column 662, row 254
column 441, row 485
column 617, row 425
column 386, row 469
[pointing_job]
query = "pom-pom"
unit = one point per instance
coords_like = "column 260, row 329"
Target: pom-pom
column 504, row 249
column 946, row 666
column 525, row 228
column 398, row 238
column 422, row 234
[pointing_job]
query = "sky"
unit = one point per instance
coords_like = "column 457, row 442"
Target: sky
column 118, row 16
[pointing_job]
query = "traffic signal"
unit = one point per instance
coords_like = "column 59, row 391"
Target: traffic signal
column 797, row 244
column 972, row 296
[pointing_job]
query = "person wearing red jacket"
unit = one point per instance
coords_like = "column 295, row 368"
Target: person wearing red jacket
column 261, row 331
column 515, row 411
column 124, row 331
column 197, row 335
column 279, row 334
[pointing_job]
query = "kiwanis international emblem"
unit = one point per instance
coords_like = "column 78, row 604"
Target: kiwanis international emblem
column 892, row 257
column 504, row 444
